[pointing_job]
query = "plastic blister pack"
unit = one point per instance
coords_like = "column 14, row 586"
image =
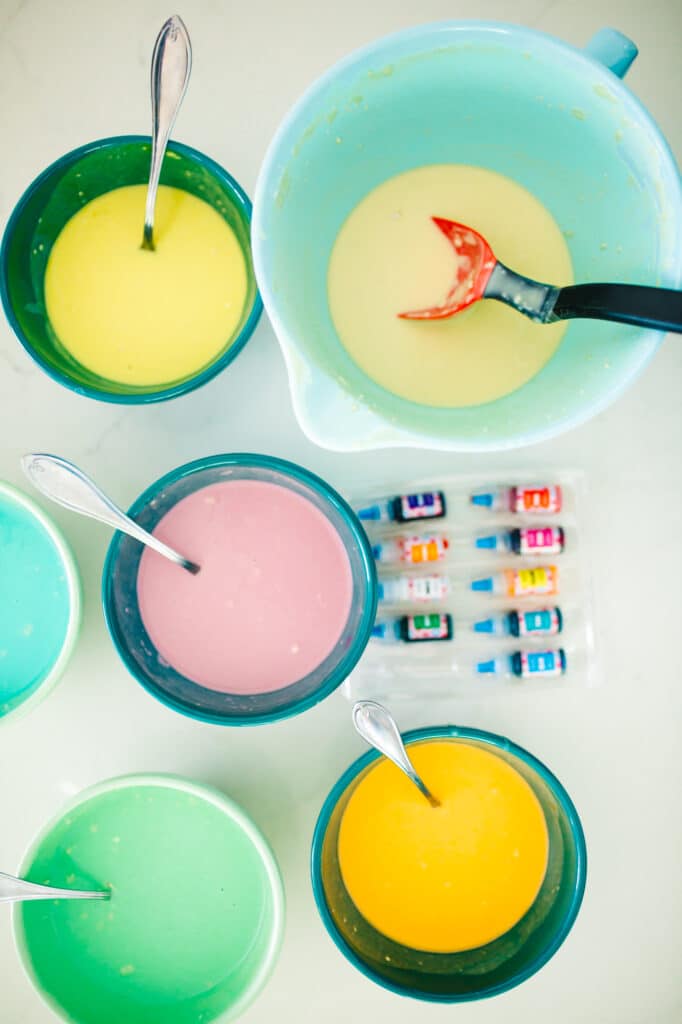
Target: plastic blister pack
column 483, row 587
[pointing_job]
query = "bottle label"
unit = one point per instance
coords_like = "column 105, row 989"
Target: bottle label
column 423, row 549
column 545, row 540
column 541, row 623
column 427, row 627
column 536, row 499
column 427, row 588
column 526, row 582
column 541, row 663
column 429, row 505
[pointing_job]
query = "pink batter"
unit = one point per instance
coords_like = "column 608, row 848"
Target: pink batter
column 271, row 600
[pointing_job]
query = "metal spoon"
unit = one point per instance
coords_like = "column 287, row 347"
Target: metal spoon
column 67, row 485
column 14, row 889
column 376, row 725
column 480, row 275
column 171, row 65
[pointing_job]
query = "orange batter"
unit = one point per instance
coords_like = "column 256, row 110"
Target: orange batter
column 450, row 878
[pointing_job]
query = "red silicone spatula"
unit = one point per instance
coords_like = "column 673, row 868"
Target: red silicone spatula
column 479, row 275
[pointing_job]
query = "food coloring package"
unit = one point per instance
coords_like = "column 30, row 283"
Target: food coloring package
column 484, row 587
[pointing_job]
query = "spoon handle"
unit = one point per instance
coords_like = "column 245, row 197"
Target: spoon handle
column 171, row 65
column 14, row 889
column 657, row 308
column 67, row 485
column 377, row 726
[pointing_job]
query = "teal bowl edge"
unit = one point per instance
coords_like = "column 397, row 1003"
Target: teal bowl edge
column 494, row 740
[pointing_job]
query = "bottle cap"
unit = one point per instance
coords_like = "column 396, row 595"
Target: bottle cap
column 486, row 584
column 370, row 514
column 486, row 668
column 490, row 543
column 484, row 626
column 485, row 500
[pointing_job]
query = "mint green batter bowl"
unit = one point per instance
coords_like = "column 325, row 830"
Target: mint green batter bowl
column 557, row 120
column 195, row 920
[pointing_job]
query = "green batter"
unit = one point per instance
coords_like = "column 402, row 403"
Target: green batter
column 194, row 918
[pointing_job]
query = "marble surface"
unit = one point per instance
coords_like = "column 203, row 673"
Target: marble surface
column 78, row 70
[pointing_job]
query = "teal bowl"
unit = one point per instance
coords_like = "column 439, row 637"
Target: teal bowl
column 475, row 973
column 55, row 196
column 134, row 645
column 40, row 604
column 557, row 120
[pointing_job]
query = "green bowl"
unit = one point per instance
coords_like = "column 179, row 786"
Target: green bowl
column 195, row 920
column 55, row 196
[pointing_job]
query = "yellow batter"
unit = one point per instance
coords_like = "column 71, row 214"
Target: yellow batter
column 390, row 257
column 449, row 878
column 138, row 317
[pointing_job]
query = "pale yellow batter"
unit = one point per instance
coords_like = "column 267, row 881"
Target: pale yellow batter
column 138, row 317
column 390, row 257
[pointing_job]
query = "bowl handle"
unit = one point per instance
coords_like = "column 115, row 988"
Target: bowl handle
column 612, row 49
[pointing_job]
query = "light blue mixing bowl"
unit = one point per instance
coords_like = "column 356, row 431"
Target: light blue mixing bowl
column 555, row 119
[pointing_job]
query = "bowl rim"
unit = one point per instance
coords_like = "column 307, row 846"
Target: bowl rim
column 498, row 743
column 322, row 488
column 75, row 597
column 222, row 802
column 241, row 201
column 392, row 435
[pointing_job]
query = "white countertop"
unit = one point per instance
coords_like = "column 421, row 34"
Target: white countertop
column 76, row 70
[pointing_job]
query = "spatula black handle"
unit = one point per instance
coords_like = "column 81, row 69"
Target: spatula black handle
column 658, row 308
